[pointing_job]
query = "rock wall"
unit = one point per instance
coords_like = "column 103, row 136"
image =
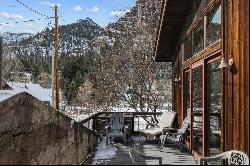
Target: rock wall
column 34, row 133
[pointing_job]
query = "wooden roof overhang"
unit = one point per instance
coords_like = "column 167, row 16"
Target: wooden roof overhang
column 173, row 17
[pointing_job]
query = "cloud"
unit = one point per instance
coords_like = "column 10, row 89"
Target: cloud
column 94, row 9
column 77, row 8
column 24, row 28
column 50, row 4
column 29, row 25
column 11, row 16
column 116, row 13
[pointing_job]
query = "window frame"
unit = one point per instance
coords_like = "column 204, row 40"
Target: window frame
column 190, row 31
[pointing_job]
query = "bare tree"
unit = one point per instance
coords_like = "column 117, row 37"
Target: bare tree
column 127, row 74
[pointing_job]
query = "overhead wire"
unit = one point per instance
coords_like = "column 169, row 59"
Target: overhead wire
column 45, row 33
column 26, row 6
column 32, row 20
column 60, row 42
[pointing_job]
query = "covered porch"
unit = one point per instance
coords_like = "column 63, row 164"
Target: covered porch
column 116, row 153
column 170, row 155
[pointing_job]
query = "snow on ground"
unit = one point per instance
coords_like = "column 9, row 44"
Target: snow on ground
column 122, row 109
column 104, row 152
column 142, row 124
column 78, row 113
column 138, row 138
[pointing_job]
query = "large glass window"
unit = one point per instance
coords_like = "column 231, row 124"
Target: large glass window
column 197, row 109
column 214, row 106
column 197, row 39
column 204, row 122
column 210, row 29
column 187, row 47
column 187, row 100
column 213, row 25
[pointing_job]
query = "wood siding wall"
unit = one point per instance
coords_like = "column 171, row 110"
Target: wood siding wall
column 235, row 95
column 236, row 81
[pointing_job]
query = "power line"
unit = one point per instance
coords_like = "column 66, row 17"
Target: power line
column 17, row 22
column 31, row 9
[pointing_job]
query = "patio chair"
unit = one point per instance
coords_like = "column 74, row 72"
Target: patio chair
column 175, row 136
column 167, row 119
column 116, row 128
column 233, row 157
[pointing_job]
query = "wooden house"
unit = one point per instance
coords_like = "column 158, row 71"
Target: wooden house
column 207, row 42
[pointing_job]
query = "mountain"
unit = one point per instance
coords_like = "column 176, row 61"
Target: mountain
column 72, row 36
column 147, row 11
column 9, row 37
column 33, row 53
column 36, row 48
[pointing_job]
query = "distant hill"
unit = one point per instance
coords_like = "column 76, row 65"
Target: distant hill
column 9, row 37
column 33, row 52
column 71, row 36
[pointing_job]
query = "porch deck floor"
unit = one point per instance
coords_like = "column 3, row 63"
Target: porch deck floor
column 171, row 155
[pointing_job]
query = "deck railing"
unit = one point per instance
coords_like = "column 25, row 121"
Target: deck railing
column 99, row 120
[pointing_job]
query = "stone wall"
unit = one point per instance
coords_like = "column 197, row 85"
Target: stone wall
column 34, row 133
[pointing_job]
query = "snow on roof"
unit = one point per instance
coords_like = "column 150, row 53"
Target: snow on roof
column 5, row 94
column 34, row 89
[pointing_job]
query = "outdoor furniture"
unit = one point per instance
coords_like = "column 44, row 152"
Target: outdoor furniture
column 233, row 157
column 175, row 136
column 167, row 119
column 116, row 128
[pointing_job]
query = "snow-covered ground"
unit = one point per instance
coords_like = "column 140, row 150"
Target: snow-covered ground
column 103, row 152
column 140, row 124
column 79, row 113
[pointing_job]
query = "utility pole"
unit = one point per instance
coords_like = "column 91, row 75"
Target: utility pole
column 1, row 63
column 56, row 74
column 52, row 78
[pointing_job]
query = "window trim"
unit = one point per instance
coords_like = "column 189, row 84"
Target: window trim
column 205, row 24
column 201, row 20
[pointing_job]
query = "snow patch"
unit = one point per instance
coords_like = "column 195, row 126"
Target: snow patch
column 5, row 94
column 34, row 89
column 104, row 152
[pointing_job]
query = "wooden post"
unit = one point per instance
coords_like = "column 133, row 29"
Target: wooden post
column 1, row 63
column 53, row 79
column 56, row 74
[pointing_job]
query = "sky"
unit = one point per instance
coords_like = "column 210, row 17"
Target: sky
column 100, row 11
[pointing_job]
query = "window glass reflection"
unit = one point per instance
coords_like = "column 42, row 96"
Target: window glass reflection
column 197, row 109
column 197, row 39
column 213, row 25
column 214, row 107
column 187, row 47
